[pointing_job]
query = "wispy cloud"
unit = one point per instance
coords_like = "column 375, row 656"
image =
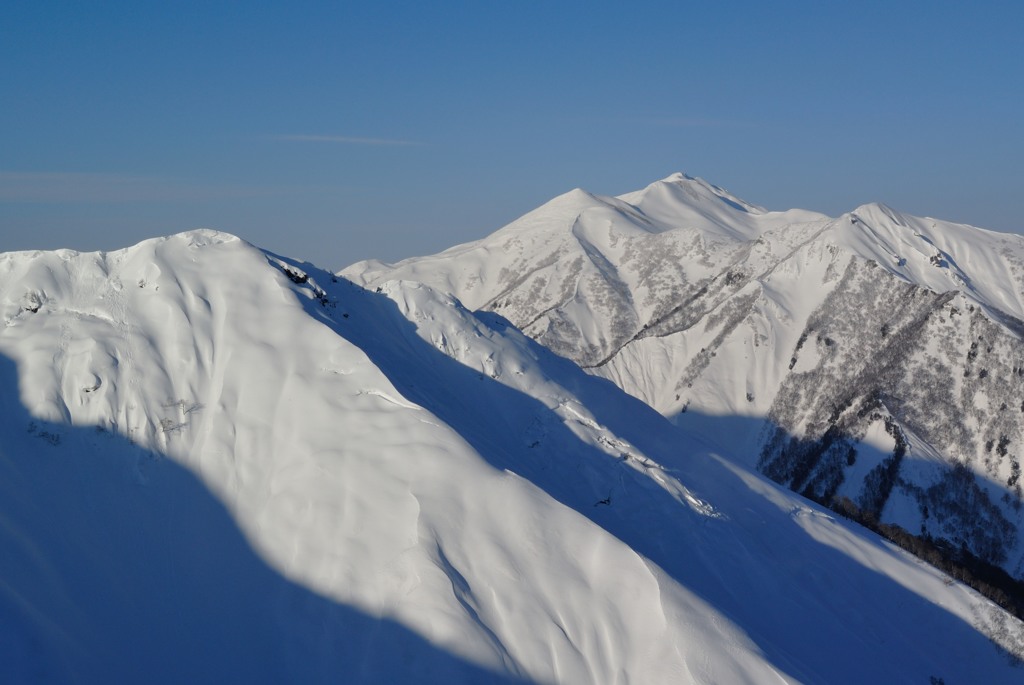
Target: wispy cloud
column 65, row 186
column 680, row 122
column 343, row 140
column 696, row 122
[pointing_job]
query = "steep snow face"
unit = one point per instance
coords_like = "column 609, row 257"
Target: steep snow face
column 220, row 464
column 587, row 275
column 941, row 256
column 818, row 331
column 199, row 347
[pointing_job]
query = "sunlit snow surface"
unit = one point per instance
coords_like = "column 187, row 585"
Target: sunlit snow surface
column 764, row 332
column 220, row 465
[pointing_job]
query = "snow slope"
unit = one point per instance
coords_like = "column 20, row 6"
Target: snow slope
column 830, row 336
column 220, row 464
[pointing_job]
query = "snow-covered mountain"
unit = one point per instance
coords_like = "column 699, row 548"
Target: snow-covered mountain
column 872, row 361
column 221, row 465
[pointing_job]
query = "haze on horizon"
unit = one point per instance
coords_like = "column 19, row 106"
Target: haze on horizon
column 339, row 132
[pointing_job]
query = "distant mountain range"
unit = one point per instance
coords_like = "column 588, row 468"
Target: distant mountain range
column 872, row 362
column 220, row 464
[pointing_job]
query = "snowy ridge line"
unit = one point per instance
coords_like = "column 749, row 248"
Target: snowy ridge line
column 387, row 485
column 782, row 317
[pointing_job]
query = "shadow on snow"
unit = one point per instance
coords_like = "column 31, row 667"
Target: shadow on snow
column 119, row 565
column 814, row 612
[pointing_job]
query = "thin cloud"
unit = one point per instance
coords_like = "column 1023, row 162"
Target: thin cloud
column 344, row 140
column 106, row 188
column 697, row 122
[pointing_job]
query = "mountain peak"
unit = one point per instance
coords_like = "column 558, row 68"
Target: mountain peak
column 681, row 188
column 880, row 212
column 677, row 177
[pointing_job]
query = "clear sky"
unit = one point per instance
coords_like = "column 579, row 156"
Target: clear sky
column 338, row 131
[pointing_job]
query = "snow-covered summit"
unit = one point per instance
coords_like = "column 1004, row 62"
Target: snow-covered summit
column 672, row 194
column 827, row 334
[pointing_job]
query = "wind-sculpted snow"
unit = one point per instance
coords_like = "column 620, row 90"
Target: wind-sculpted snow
column 221, row 464
column 837, row 336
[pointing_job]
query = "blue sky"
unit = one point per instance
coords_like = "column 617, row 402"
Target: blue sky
column 339, row 131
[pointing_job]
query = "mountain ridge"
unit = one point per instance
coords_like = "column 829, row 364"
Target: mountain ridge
column 733, row 312
column 445, row 498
